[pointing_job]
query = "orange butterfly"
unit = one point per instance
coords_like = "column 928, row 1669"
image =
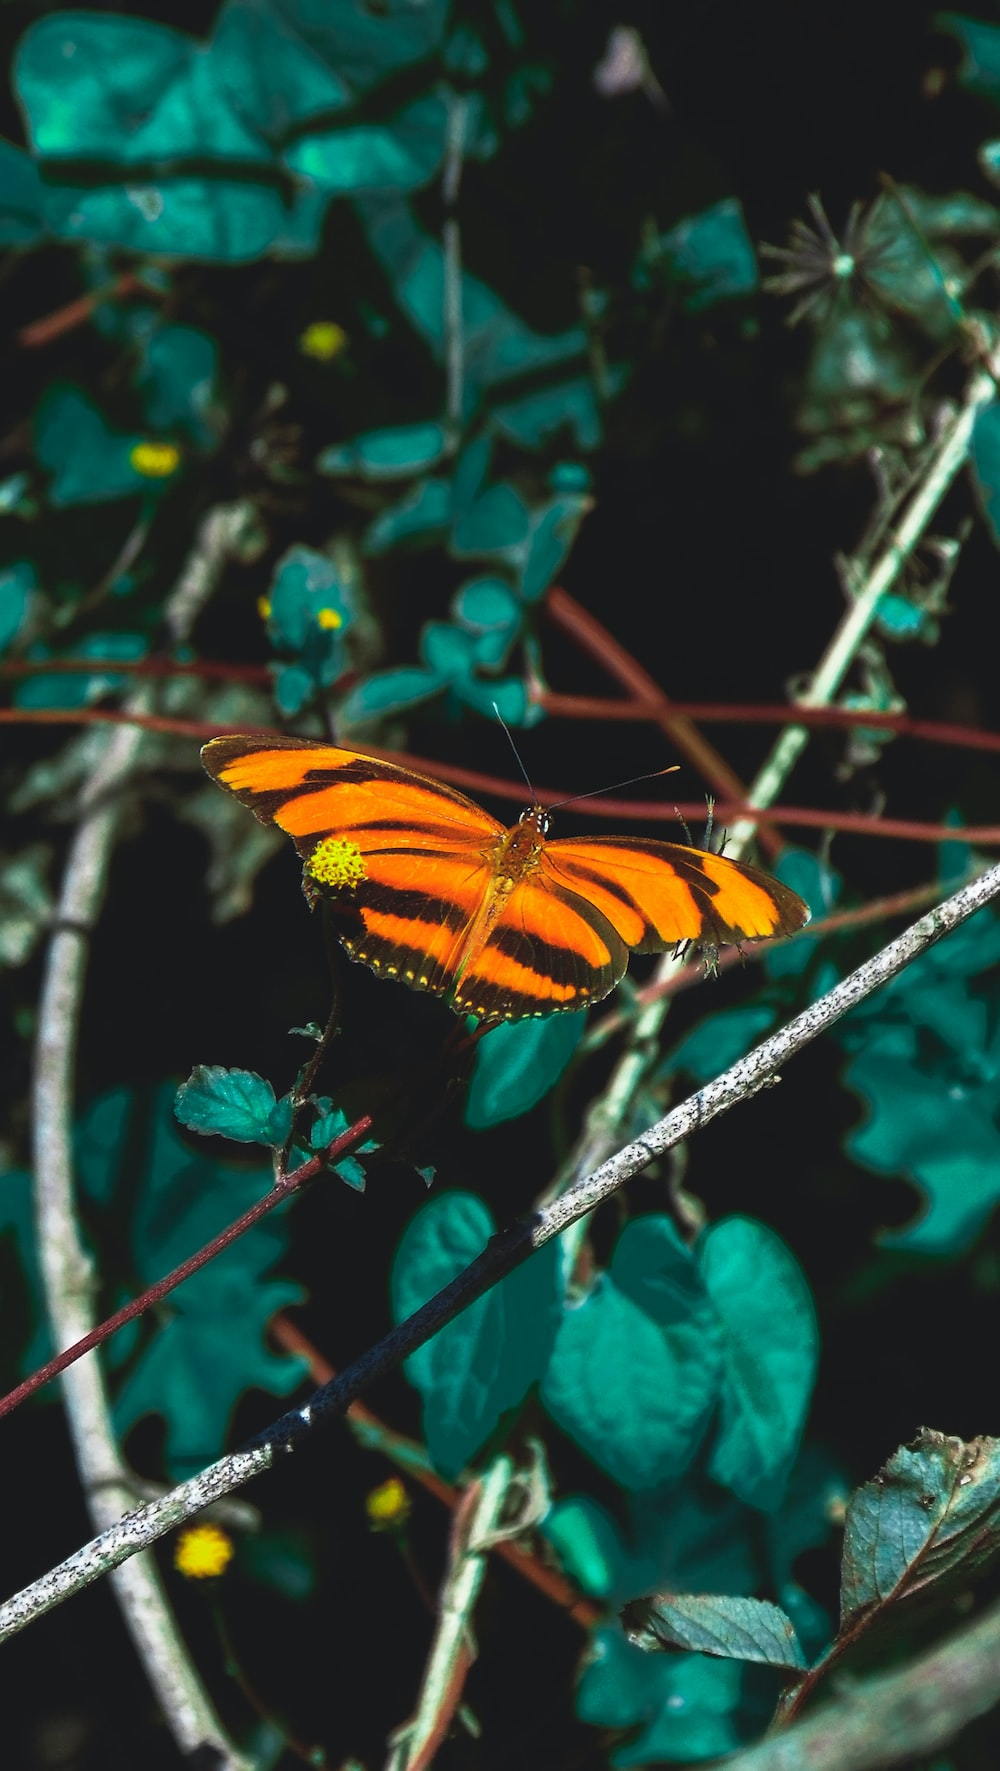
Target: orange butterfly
column 503, row 922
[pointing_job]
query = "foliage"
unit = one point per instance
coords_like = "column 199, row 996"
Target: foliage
column 341, row 336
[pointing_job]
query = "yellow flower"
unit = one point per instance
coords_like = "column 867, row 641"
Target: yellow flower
column 324, row 340
column 388, row 1506
column 202, row 1552
column 336, row 862
column 330, row 619
column 264, row 607
column 155, row 461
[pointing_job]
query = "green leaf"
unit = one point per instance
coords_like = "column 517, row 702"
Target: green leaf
column 980, row 69
column 820, row 886
column 683, row 1708
column 517, row 1064
column 387, row 454
column 985, row 459
column 553, row 531
column 363, row 44
column 220, row 220
column 570, row 406
column 88, row 461
column 587, row 1543
column 498, row 520
column 17, row 583
column 927, row 1524
column 96, row 87
column 720, row 1039
column 294, row 688
column 310, row 609
column 709, row 256
column 448, row 652
column 232, row 1104
column 423, row 514
column 715, row 1624
column 390, row 691
column 506, row 695
column 177, row 376
column 481, row 1364
column 17, row 1221
column 770, row 1353
column 486, row 603
column 22, row 212
column 284, row 1561
column 72, row 689
column 272, row 76
column 635, row 1370
column 400, row 156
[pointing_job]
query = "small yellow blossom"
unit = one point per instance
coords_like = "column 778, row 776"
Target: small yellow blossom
column 324, row 340
column 388, row 1506
column 264, row 607
column 336, row 862
column 329, row 619
column 155, row 461
column 202, row 1552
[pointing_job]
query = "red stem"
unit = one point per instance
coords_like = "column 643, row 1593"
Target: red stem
column 283, row 1187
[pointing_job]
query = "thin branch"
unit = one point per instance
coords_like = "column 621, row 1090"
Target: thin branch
column 66, row 1268
column 75, row 313
column 284, row 1186
column 946, row 464
column 412, row 1747
column 758, row 1069
column 897, row 1717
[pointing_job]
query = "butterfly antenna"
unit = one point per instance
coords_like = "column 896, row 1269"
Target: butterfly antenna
column 651, row 775
column 517, row 753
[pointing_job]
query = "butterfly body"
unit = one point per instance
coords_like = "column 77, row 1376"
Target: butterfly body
column 505, row 922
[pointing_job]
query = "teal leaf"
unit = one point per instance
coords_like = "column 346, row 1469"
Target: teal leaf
column 486, row 603
column 682, row 1708
column 980, row 68
column 88, row 461
column 517, row 1064
column 720, row 1039
column 587, row 1543
column 497, row 521
column 497, row 343
column 553, row 531
column 716, row 1624
column 127, row 90
column 985, row 453
column 820, row 886
column 770, row 1351
column 422, row 515
column 390, row 691
column 22, row 209
column 294, row 688
column 507, row 696
column 310, row 609
column 447, row 650
column 16, row 585
column 220, row 220
column 17, row 1221
column 365, row 45
column 272, row 76
column 927, row 1524
column 709, row 256
column 78, row 689
column 283, row 1561
column 329, row 1125
column 400, row 155
column 481, row 1364
column 403, row 450
column 636, row 1367
column 177, row 377
column 571, row 406
column 26, row 903
column 232, row 1104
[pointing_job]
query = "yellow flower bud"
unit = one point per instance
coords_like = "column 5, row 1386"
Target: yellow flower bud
column 202, row 1552
column 155, row 461
column 388, row 1506
column 324, row 340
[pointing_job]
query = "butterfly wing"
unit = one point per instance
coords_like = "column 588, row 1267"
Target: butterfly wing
column 548, row 950
column 656, row 894
column 426, row 849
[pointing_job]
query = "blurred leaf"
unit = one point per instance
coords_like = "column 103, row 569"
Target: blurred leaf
column 481, row 1364
column 496, row 521
column 22, row 213
column 387, row 454
column 712, row 1623
column 770, row 1351
column 88, row 461
column 177, row 375
column 284, row 1561
column 927, row 1524
column 635, row 1371
column 16, row 585
column 709, row 256
column 365, row 45
column 682, row 1707
column 272, row 76
column 534, row 418
column 96, row 87
column 390, row 691
column 17, row 1219
column 400, row 155
column 422, row 514
column 486, row 603
column 221, row 220
column 820, row 885
column 980, row 68
column 26, row 903
column 232, row 1104
column 719, row 1040
column 985, row 455
column 305, row 592
column 587, row 1543
column 78, row 689
column 517, row 1064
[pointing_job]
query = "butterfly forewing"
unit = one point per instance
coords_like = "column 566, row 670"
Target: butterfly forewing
column 549, row 950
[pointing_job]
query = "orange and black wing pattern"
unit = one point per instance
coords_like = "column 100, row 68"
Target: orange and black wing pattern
column 504, row 923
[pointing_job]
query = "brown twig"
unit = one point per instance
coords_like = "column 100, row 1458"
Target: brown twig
column 75, row 313
column 284, row 1187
